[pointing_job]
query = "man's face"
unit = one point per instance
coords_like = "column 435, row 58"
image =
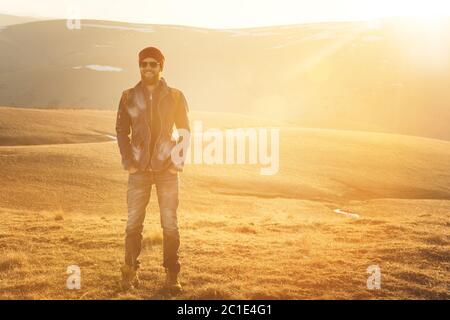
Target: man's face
column 150, row 70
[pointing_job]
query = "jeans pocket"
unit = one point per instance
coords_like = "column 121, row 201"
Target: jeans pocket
column 139, row 178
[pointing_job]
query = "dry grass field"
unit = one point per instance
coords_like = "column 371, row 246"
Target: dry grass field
column 62, row 202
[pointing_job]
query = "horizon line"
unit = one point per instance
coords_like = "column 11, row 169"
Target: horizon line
column 293, row 24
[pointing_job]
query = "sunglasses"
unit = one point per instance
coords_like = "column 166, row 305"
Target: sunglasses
column 152, row 64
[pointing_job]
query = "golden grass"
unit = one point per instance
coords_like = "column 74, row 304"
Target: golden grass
column 59, row 216
column 12, row 259
column 243, row 235
column 315, row 255
column 152, row 238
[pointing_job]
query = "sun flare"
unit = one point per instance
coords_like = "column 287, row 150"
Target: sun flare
column 403, row 8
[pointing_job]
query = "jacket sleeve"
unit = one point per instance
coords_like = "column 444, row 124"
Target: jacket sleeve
column 182, row 115
column 182, row 122
column 123, row 129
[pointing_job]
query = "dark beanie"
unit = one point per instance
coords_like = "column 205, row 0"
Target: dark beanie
column 152, row 52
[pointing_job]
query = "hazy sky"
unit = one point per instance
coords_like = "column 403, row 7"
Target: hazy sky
column 226, row 13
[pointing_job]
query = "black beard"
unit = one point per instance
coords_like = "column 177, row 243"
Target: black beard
column 151, row 81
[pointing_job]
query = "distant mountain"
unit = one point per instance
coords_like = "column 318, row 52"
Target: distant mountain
column 6, row 19
column 390, row 77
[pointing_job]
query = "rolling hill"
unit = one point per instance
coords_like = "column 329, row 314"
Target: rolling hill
column 385, row 76
column 8, row 19
column 262, row 237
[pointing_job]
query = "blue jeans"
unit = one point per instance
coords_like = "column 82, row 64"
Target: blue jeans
column 138, row 197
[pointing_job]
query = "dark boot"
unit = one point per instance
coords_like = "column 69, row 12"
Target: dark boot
column 172, row 282
column 130, row 278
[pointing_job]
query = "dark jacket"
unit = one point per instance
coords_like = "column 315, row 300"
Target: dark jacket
column 132, row 117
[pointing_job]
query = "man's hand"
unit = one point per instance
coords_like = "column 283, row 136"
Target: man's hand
column 132, row 169
column 173, row 171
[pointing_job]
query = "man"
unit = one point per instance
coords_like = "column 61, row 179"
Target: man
column 148, row 111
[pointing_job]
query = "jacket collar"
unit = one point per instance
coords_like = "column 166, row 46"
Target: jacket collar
column 162, row 87
column 139, row 90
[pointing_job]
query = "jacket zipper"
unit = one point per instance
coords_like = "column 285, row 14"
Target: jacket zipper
column 160, row 129
column 148, row 125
